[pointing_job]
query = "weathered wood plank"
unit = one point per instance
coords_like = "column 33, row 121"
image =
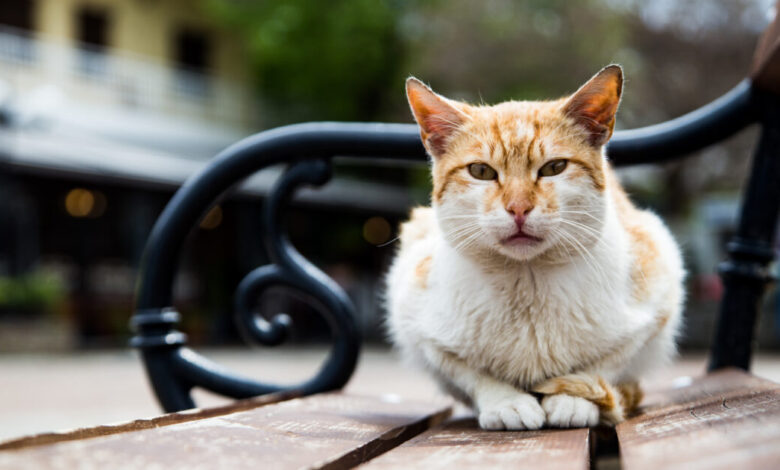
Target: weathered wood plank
column 728, row 419
column 330, row 431
column 461, row 444
column 146, row 423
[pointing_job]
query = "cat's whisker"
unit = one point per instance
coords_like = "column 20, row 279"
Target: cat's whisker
column 390, row 242
column 581, row 213
column 467, row 228
column 582, row 236
column 468, row 241
column 578, row 223
column 585, row 253
column 568, row 244
column 468, row 224
column 462, row 229
column 582, row 228
column 451, row 217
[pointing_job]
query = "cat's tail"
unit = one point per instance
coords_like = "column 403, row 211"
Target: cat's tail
column 615, row 402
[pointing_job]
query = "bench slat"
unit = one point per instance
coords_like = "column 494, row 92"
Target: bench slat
column 461, row 444
column 727, row 419
column 329, row 430
column 146, row 423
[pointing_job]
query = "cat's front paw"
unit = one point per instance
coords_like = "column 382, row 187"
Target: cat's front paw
column 566, row 411
column 517, row 412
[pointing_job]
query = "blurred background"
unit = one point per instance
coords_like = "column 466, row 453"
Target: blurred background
column 107, row 106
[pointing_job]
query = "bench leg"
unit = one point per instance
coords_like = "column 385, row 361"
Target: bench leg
column 746, row 274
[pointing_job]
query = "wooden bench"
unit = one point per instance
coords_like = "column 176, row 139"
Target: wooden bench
column 726, row 419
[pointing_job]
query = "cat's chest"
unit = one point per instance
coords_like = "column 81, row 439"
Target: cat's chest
column 524, row 326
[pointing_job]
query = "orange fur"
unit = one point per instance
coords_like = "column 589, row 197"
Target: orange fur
column 632, row 395
column 646, row 254
column 489, row 136
column 615, row 403
column 421, row 272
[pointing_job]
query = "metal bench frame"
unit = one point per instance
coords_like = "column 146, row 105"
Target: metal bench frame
column 308, row 149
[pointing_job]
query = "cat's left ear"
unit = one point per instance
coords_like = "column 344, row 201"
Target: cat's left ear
column 594, row 105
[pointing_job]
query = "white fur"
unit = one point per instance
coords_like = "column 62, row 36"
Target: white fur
column 565, row 411
column 493, row 320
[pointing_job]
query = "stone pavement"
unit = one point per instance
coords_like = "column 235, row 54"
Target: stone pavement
column 41, row 393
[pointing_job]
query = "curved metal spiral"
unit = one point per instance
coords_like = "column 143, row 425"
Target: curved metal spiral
column 289, row 268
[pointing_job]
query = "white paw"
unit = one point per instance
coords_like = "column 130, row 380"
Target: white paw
column 520, row 411
column 566, row 411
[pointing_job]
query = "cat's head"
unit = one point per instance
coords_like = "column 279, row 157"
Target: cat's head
column 521, row 178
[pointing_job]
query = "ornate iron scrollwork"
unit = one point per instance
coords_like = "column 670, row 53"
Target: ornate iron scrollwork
column 174, row 369
column 289, row 268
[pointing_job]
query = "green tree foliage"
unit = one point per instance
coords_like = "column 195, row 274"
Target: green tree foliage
column 333, row 60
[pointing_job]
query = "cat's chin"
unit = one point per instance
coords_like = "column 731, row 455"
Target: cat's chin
column 521, row 239
column 522, row 247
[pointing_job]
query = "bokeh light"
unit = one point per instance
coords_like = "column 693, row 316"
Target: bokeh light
column 376, row 230
column 80, row 203
column 212, row 219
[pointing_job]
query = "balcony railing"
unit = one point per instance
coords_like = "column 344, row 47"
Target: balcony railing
column 111, row 77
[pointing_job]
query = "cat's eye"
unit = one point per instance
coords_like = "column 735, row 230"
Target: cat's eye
column 554, row 167
column 482, row 171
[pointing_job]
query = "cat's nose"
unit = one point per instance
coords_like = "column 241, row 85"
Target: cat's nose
column 520, row 211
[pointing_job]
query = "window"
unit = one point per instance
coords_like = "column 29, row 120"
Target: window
column 192, row 52
column 192, row 49
column 92, row 27
column 17, row 14
column 16, row 18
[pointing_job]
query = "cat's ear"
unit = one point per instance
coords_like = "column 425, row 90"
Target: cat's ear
column 594, row 105
column 438, row 117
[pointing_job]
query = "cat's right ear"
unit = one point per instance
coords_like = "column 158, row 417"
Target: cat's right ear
column 437, row 116
column 594, row 105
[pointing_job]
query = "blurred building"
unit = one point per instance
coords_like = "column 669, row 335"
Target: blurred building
column 150, row 74
column 106, row 107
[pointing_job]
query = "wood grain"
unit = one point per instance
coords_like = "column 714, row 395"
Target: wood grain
column 146, row 423
column 461, row 444
column 329, row 431
column 727, row 419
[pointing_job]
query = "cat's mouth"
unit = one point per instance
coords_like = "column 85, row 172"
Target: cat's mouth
column 521, row 238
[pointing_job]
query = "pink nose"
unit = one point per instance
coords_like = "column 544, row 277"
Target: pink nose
column 520, row 211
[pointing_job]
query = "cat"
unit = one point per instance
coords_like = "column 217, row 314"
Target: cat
column 532, row 288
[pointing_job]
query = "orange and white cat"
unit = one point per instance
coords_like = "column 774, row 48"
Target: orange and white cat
column 533, row 289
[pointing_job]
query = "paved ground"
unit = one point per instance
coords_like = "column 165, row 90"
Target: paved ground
column 55, row 392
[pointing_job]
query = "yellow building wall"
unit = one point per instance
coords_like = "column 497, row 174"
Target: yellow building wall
column 147, row 28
